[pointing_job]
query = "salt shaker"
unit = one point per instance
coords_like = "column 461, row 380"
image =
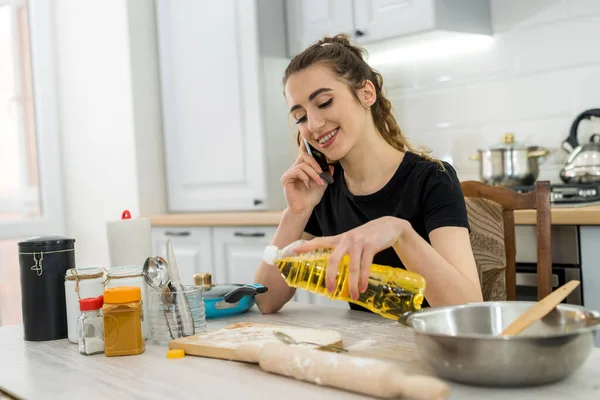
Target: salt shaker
column 80, row 283
column 90, row 326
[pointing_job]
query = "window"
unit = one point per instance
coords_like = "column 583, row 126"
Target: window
column 19, row 180
column 30, row 179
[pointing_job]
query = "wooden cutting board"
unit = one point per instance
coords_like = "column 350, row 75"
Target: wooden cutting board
column 221, row 343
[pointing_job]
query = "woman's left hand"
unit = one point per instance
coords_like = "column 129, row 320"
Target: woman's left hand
column 361, row 244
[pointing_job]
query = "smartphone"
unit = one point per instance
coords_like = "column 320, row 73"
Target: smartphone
column 321, row 160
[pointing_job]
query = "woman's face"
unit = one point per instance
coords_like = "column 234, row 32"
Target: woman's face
column 325, row 110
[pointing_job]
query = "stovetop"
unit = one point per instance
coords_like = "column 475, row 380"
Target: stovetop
column 568, row 194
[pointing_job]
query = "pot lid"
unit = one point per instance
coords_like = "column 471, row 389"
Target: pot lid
column 508, row 142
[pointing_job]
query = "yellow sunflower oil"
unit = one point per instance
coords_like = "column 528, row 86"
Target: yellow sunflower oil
column 390, row 293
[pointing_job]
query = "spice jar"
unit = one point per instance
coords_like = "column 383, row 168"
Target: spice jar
column 90, row 326
column 123, row 321
column 80, row 283
column 131, row 275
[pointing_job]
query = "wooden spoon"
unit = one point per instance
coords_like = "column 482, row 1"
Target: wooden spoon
column 540, row 309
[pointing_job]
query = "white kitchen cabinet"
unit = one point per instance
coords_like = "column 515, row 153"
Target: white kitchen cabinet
column 192, row 247
column 378, row 19
column 213, row 125
column 215, row 60
column 309, row 20
column 239, row 251
column 370, row 21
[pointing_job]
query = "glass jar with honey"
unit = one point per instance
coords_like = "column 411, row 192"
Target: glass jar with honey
column 123, row 317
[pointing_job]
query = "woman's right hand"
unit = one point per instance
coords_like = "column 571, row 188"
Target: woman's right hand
column 302, row 185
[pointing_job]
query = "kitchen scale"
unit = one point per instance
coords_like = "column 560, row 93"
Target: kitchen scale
column 568, row 194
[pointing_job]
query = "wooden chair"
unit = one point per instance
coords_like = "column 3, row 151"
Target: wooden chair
column 490, row 211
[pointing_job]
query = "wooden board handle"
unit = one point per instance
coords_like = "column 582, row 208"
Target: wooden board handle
column 540, row 309
column 355, row 374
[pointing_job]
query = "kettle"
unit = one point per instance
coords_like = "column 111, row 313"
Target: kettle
column 583, row 163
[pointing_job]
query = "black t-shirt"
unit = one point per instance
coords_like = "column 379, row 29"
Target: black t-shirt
column 419, row 192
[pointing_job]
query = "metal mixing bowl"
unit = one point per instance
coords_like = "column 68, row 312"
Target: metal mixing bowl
column 463, row 343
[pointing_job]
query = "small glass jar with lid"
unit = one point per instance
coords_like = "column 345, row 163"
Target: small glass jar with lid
column 123, row 316
column 90, row 326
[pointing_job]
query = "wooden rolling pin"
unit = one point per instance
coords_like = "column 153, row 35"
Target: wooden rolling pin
column 355, row 374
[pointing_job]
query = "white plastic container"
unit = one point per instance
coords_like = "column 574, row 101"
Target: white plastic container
column 132, row 276
column 80, row 283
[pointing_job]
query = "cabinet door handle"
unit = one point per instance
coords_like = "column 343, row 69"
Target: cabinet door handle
column 254, row 234
column 182, row 233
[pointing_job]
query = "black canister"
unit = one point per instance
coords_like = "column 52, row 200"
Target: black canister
column 44, row 261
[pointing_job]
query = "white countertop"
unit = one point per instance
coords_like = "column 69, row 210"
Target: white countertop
column 55, row 370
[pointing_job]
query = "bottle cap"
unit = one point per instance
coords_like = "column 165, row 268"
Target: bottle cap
column 122, row 294
column 271, row 254
column 91, row 303
column 175, row 353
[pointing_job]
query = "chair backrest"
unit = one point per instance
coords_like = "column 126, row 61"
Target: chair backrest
column 490, row 211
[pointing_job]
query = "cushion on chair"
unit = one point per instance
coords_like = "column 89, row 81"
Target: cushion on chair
column 487, row 241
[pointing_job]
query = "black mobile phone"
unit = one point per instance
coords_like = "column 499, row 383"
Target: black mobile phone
column 321, row 160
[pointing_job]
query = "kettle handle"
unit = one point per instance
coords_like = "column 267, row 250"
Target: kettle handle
column 572, row 139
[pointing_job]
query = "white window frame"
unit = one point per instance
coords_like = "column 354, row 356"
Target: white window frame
column 43, row 59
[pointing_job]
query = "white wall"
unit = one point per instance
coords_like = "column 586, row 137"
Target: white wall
column 109, row 149
column 542, row 71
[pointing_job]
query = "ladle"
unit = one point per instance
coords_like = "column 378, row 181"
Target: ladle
column 156, row 273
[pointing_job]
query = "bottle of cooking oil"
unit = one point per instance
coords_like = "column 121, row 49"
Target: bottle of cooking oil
column 390, row 293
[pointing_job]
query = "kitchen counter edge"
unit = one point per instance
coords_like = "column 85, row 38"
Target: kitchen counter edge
column 586, row 215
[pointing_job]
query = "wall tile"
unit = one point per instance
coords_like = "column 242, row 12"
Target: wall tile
column 535, row 96
column 586, row 88
column 454, row 146
column 570, row 43
column 543, row 70
column 417, row 111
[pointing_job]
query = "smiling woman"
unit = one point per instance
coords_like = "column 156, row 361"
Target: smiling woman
column 388, row 203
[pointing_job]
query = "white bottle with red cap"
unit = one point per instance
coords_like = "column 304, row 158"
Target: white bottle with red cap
column 90, row 326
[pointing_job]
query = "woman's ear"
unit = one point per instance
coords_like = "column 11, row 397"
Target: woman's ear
column 367, row 94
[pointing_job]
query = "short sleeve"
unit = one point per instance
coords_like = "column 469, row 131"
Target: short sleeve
column 312, row 226
column 443, row 201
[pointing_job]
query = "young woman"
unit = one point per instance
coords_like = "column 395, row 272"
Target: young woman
column 387, row 204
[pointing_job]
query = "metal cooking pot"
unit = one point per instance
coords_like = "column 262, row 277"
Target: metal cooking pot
column 509, row 163
column 226, row 299
column 462, row 343
column 583, row 164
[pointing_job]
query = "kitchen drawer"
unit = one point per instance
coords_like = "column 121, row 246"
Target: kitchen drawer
column 238, row 251
column 192, row 247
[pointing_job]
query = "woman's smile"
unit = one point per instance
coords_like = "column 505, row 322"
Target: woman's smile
column 327, row 139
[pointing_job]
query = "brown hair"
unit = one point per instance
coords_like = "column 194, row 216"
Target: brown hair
column 348, row 63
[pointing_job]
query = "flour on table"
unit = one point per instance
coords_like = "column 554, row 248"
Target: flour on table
column 231, row 338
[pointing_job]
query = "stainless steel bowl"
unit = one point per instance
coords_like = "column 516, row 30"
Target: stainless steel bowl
column 463, row 343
